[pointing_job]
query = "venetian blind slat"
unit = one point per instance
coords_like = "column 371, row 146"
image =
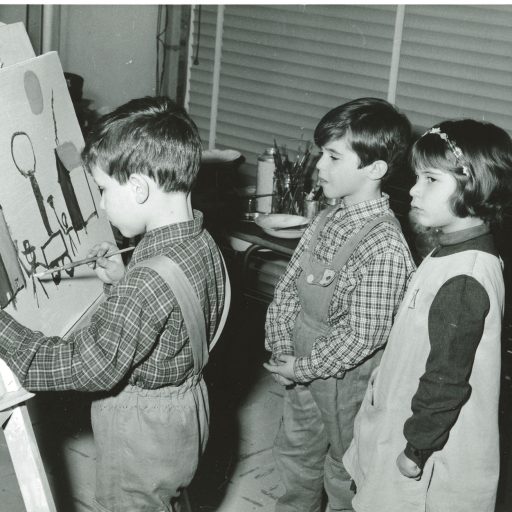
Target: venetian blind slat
column 283, row 67
column 456, row 61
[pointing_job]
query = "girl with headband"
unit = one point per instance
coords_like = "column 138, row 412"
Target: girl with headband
column 426, row 436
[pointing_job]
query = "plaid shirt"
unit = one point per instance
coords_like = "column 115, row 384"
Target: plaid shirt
column 365, row 300
column 137, row 333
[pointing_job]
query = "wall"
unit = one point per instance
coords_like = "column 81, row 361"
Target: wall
column 12, row 13
column 113, row 47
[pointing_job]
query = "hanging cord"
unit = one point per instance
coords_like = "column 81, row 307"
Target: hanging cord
column 196, row 56
column 160, row 67
column 157, row 75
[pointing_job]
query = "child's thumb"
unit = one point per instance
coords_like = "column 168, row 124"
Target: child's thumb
column 102, row 262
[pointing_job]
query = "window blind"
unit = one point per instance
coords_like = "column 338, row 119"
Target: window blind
column 284, row 66
column 456, row 61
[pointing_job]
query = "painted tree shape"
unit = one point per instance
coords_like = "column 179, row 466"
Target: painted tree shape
column 62, row 156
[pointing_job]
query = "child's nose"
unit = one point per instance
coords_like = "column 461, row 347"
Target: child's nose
column 321, row 163
column 414, row 190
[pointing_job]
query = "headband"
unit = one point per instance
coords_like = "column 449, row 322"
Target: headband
column 457, row 152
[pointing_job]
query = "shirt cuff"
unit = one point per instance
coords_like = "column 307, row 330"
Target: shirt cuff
column 420, row 457
column 11, row 333
column 278, row 347
column 303, row 370
column 4, row 342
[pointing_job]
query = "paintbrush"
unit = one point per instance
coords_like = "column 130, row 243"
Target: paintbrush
column 74, row 264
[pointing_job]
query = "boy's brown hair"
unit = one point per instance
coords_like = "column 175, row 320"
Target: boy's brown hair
column 374, row 128
column 152, row 136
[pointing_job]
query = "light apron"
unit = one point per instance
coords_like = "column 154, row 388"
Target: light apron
column 463, row 475
column 317, row 422
column 148, row 441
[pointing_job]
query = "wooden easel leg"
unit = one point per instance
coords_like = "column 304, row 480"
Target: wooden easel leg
column 27, row 462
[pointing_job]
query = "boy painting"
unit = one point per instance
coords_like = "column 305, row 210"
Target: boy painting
column 151, row 424
column 334, row 306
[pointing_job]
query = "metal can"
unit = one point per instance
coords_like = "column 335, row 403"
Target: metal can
column 326, row 202
column 265, row 180
column 310, row 208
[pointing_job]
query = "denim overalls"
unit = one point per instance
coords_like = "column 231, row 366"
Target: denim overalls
column 318, row 417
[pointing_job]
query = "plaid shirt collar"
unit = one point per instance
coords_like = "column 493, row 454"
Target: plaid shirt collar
column 359, row 213
column 157, row 240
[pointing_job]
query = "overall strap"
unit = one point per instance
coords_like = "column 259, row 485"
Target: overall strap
column 189, row 304
column 343, row 255
column 227, row 303
column 322, row 219
column 308, row 250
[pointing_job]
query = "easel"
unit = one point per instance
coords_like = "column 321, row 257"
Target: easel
column 21, row 442
column 16, row 425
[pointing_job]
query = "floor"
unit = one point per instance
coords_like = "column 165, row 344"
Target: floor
column 237, row 472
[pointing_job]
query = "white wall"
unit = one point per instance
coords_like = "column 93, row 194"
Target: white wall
column 113, row 47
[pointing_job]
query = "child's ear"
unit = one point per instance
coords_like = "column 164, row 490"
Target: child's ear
column 377, row 170
column 140, row 187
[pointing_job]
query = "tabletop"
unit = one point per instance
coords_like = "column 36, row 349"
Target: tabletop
column 250, row 232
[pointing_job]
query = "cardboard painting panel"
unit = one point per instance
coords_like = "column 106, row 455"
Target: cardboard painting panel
column 49, row 213
column 15, row 45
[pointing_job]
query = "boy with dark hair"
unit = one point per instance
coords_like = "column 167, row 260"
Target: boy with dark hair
column 334, row 306
column 141, row 346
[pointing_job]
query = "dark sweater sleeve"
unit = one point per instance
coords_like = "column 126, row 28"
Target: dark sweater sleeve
column 455, row 324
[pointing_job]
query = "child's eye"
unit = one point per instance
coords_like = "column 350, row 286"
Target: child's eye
column 333, row 158
column 428, row 179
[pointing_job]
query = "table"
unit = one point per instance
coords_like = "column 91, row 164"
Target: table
column 258, row 242
column 250, row 232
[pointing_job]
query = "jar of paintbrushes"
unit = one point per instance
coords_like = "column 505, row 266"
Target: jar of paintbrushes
column 290, row 178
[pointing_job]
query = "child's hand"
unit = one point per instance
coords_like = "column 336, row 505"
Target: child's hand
column 408, row 467
column 283, row 381
column 110, row 270
column 282, row 366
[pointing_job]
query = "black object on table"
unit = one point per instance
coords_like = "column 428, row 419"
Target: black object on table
column 250, row 232
column 281, row 249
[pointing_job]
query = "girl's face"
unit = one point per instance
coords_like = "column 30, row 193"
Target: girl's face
column 430, row 204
